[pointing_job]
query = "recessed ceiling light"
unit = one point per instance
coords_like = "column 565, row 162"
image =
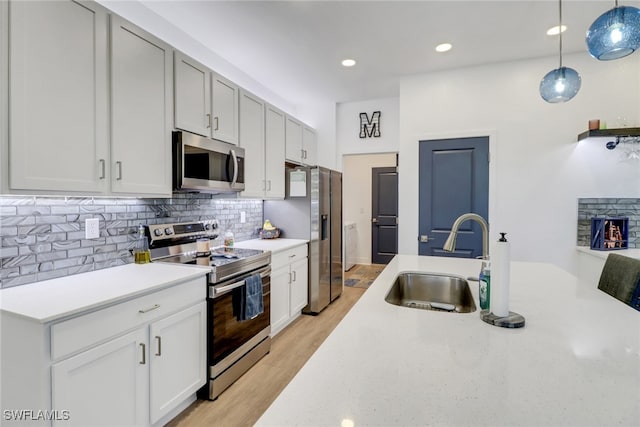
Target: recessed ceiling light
column 554, row 31
column 444, row 47
column 348, row 62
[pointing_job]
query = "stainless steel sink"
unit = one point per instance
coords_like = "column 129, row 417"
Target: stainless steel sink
column 431, row 291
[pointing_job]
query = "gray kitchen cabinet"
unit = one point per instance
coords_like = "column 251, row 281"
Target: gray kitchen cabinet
column 205, row 102
column 301, row 145
column 274, row 148
column 279, row 297
column 132, row 362
column 309, row 146
column 141, row 110
column 293, row 130
column 224, row 109
column 299, row 289
column 71, row 129
column 262, row 134
column 177, row 356
column 116, row 376
column 252, row 129
column 58, row 103
column 289, row 286
column 192, row 95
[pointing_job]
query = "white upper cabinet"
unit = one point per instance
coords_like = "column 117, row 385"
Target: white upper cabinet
column 205, row 102
column 141, row 110
column 309, row 146
column 192, row 91
column 58, row 96
column 300, row 142
column 274, row 157
column 224, row 109
column 252, row 140
column 293, row 140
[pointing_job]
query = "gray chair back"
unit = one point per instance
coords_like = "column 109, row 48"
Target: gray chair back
column 620, row 278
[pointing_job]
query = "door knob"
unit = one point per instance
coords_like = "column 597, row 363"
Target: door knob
column 374, row 220
column 423, row 238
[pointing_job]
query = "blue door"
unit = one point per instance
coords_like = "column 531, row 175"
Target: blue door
column 454, row 179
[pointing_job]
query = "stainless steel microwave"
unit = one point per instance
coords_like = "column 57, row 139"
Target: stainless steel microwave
column 206, row 165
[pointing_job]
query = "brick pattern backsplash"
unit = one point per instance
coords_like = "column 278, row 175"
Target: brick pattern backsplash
column 589, row 208
column 44, row 237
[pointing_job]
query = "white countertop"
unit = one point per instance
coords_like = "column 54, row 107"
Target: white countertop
column 273, row 245
column 632, row 253
column 54, row 299
column 575, row 363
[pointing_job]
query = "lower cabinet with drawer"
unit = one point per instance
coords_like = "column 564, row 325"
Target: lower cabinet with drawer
column 289, row 286
column 130, row 364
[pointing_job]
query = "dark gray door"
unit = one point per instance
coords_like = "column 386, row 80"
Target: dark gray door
column 454, row 179
column 384, row 215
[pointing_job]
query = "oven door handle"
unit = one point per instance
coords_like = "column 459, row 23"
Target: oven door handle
column 222, row 289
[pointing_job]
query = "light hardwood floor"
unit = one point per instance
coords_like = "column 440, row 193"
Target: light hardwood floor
column 247, row 399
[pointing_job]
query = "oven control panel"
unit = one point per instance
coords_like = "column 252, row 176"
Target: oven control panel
column 182, row 230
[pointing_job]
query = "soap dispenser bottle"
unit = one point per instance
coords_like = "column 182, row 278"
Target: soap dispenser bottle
column 484, row 291
column 141, row 253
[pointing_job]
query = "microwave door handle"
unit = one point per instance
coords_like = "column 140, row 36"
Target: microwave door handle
column 235, row 168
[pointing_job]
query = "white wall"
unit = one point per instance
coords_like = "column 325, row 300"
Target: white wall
column 348, row 127
column 538, row 170
column 356, row 195
column 322, row 117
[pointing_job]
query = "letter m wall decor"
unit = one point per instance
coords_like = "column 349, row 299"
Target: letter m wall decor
column 370, row 128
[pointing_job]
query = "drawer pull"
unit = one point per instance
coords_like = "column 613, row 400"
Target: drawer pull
column 292, row 256
column 146, row 310
column 159, row 342
column 144, row 354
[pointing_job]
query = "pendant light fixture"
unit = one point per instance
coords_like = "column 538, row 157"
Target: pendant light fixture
column 563, row 83
column 615, row 34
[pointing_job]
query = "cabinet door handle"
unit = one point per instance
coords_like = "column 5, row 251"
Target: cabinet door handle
column 146, row 310
column 119, row 166
column 208, row 120
column 144, row 354
column 102, row 169
column 290, row 278
column 269, row 181
column 215, row 121
column 295, row 277
column 264, row 185
column 159, row 345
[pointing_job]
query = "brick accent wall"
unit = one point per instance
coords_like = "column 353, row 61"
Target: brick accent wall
column 42, row 237
column 589, row 208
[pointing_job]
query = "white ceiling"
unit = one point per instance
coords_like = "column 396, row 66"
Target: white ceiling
column 294, row 48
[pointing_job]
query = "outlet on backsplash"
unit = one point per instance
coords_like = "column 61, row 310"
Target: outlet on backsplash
column 91, row 228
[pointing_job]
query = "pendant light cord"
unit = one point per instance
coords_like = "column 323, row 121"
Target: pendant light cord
column 560, row 28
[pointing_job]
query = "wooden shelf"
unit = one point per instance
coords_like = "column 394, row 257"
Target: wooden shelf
column 604, row 133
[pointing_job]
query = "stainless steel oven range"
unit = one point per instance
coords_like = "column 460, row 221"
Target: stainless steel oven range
column 234, row 343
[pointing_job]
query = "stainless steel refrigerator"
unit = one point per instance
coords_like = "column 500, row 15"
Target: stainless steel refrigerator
column 312, row 210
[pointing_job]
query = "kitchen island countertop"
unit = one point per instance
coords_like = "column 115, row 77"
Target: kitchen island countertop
column 576, row 362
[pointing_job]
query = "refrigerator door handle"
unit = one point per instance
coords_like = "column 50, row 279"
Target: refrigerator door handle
column 324, row 230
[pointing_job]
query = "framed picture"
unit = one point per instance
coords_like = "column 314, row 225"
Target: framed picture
column 609, row 233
